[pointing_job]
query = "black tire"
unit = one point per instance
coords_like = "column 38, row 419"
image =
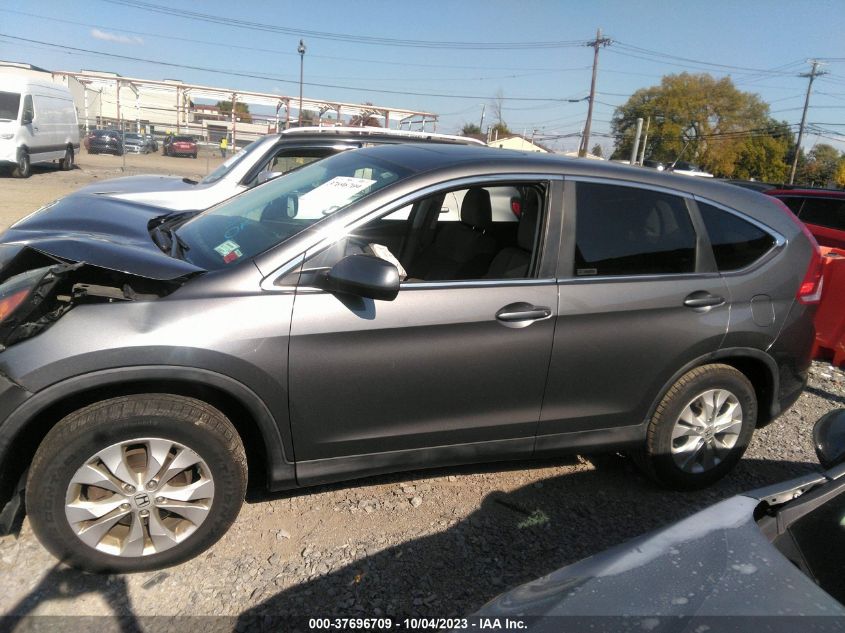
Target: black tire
column 80, row 436
column 67, row 161
column 194, row 156
column 656, row 459
column 23, row 168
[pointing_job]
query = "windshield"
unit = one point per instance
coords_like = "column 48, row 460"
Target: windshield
column 227, row 166
column 9, row 104
column 257, row 220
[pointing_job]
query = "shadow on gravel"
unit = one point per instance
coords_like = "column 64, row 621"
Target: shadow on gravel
column 827, row 395
column 512, row 538
column 62, row 583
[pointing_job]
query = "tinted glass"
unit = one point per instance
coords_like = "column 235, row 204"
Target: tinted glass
column 827, row 212
column 183, row 139
column 736, row 242
column 820, row 535
column 793, row 203
column 631, row 231
column 9, row 104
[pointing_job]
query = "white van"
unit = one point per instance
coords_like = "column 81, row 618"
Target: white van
column 37, row 123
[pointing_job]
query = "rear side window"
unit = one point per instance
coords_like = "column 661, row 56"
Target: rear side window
column 827, row 212
column 630, row 231
column 736, row 243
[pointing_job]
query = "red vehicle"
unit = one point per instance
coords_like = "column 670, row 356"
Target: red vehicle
column 180, row 146
column 822, row 210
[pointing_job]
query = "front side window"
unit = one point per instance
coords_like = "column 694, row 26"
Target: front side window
column 623, row 230
column 265, row 216
column 433, row 242
column 10, row 103
column 736, row 243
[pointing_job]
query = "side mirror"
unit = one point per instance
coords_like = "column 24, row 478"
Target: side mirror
column 26, row 117
column 829, row 438
column 264, row 176
column 364, row 276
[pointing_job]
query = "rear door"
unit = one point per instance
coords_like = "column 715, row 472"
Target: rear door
column 640, row 297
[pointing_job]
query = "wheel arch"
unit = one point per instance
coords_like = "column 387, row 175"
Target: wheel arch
column 268, row 464
column 760, row 369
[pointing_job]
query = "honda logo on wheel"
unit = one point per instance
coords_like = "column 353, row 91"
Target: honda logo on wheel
column 142, row 500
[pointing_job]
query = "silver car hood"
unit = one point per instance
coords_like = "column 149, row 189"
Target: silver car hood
column 139, row 184
column 714, row 563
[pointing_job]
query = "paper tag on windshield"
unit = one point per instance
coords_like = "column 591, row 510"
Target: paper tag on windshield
column 229, row 251
column 330, row 196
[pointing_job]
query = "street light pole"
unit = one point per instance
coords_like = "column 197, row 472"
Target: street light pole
column 301, row 50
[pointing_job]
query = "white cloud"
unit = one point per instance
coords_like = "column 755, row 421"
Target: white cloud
column 114, row 37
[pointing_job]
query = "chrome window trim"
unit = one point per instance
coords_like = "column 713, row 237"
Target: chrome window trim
column 339, row 227
column 462, row 283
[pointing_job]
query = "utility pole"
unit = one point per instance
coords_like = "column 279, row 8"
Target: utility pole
column 645, row 140
column 596, row 44
column 812, row 75
column 481, row 125
column 301, row 50
column 636, row 146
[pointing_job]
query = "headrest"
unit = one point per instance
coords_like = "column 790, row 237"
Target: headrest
column 528, row 224
column 476, row 210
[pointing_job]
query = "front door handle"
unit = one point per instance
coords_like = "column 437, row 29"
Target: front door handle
column 703, row 299
column 523, row 312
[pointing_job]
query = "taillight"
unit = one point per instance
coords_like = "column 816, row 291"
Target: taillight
column 15, row 290
column 810, row 290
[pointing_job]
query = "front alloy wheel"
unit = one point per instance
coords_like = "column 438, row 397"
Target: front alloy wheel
column 136, row 483
column 139, row 497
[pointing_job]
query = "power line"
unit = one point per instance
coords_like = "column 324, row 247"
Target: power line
column 342, row 37
column 276, row 78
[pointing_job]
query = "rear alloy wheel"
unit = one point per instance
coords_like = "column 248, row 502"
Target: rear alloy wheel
column 23, row 168
column 136, row 483
column 701, row 428
column 67, row 161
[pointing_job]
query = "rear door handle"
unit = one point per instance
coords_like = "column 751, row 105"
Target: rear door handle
column 523, row 312
column 703, row 299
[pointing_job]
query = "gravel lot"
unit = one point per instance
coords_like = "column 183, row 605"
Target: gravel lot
column 422, row 543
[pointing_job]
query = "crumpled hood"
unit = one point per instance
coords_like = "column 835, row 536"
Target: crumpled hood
column 100, row 231
column 138, row 184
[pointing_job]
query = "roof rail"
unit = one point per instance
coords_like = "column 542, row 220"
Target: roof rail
column 380, row 131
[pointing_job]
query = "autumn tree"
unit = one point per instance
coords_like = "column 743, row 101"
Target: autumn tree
column 820, row 167
column 839, row 177
column 701, row 119
column 597, row 150
column 241, row 110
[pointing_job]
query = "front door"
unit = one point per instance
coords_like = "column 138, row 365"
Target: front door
column 452, row 370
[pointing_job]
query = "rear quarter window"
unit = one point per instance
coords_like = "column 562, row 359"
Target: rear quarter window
column 736, row 243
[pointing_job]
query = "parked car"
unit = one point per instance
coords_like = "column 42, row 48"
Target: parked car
column 135, row 144
column 152, row 143
column 313, row 329
column 769, row 555
column 266, row 158
column 180, row 146
column 822, row 210
column 106, row 142
column 37, row 124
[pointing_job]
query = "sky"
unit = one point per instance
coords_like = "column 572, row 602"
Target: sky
column 454, row 57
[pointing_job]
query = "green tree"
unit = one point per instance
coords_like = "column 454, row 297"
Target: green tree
column 241, row 110
column 697, row 118
column 469, row 129
column 839, row 177
column 500, row 130
column 820, row 168
column 597, row 150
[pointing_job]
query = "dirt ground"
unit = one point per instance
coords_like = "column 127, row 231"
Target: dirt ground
column 425, row 543
column 19, row 197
